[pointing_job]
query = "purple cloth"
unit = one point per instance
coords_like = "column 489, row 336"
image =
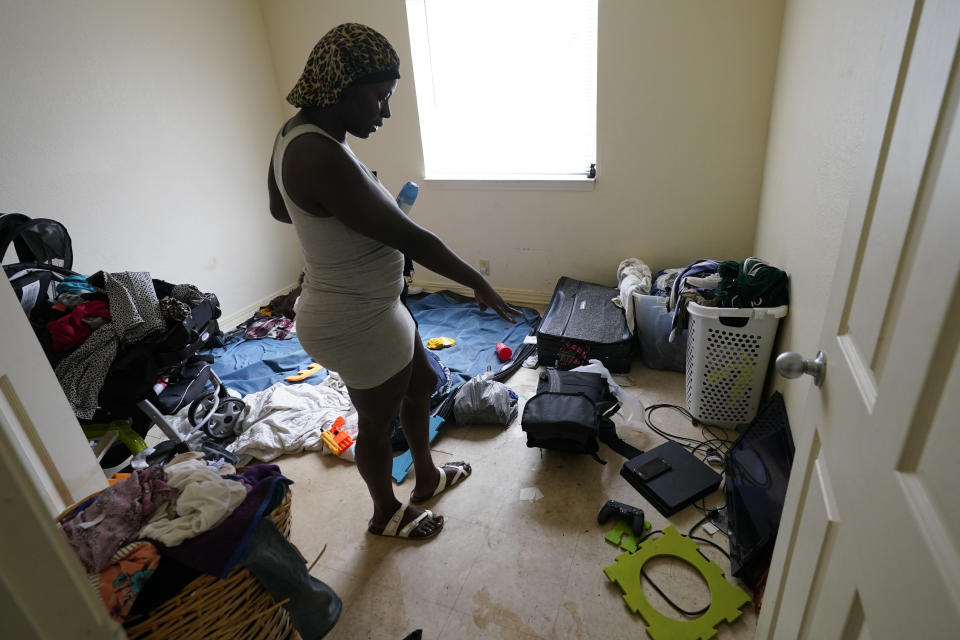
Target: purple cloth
column 217, row 551
column 276, row 327
column 252, row 476
column 118, row 513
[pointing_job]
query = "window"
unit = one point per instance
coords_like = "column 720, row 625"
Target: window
column 506, row 89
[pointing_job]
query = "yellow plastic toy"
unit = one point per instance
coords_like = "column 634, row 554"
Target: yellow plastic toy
column 440, row 343
column 335, row 438
column 303, row 374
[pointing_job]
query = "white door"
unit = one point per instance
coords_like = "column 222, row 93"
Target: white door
column 45, row 464
column 36, row 416
column 44, row 593
column 869, row 543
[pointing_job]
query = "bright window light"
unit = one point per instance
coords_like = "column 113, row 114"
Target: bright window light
column 506, row 89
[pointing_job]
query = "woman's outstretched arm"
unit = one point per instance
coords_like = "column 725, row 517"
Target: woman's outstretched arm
column 325, row 180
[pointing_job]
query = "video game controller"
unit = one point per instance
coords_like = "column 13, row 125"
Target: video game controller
column 632, row 515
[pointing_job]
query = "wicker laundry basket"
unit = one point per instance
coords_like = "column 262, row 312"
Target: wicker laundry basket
column 231, row 608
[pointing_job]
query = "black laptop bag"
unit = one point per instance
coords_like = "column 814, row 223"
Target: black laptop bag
column 571, row 412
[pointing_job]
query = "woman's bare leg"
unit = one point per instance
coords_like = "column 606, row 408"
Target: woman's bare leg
column 376, row 409
column 415, row 421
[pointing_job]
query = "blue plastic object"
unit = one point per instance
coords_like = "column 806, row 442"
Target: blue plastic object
column 407, row 196
column 401, row 463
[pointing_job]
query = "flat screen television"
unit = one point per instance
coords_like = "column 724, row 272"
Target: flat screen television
column 757, row 472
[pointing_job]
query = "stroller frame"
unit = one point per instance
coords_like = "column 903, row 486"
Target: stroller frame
column 44, row 245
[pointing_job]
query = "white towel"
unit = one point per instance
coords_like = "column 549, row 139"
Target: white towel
column 205, row 500
column 288, row 418
column 633, row 276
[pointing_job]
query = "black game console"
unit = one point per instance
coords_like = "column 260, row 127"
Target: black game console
column 670, row 477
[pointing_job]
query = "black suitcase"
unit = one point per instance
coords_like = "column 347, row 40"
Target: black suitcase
column 581, row 323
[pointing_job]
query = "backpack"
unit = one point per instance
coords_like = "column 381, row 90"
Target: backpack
column 44, row 259
column 34, row 284
column 571, row 412
column 36, row 240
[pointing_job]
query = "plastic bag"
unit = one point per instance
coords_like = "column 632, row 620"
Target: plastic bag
column 484, row 401
column 631, row 409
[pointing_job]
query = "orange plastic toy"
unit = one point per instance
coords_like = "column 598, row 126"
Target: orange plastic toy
column 337, row 440
column 305, row 373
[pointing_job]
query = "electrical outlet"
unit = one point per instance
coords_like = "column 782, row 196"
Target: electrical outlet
column 485, row 267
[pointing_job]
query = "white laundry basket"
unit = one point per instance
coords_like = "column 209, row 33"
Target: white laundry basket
column 728, row 351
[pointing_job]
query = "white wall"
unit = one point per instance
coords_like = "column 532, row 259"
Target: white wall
column 684, row 93
column 146, row 127
column 826, row 79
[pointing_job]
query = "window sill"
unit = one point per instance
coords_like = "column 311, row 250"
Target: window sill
column 495, row 182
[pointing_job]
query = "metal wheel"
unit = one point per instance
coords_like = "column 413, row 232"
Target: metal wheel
column 225, row 421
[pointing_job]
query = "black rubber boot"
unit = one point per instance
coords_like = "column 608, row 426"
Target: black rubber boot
column 314, row 607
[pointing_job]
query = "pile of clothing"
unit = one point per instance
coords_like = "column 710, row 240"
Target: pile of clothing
column 84, row 310
column 713, row 283
column 273, row 320
column 283, row 419
column 93, row 318
column 148, row 535
column 262, row 325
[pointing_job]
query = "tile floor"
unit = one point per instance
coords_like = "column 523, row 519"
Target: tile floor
column 502, row 567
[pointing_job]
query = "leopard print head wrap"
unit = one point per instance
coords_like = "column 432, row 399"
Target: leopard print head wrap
column 346, row 54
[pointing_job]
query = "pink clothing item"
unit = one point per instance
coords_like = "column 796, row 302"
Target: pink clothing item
column 70, row 330
column 116, row 516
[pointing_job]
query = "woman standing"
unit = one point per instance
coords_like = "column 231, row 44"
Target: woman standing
column 354, row 236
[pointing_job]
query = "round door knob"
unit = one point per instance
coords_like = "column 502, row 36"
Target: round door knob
column 793, row 365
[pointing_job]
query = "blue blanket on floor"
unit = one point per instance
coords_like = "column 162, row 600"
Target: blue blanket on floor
column 476, row 333
column 253, row 365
